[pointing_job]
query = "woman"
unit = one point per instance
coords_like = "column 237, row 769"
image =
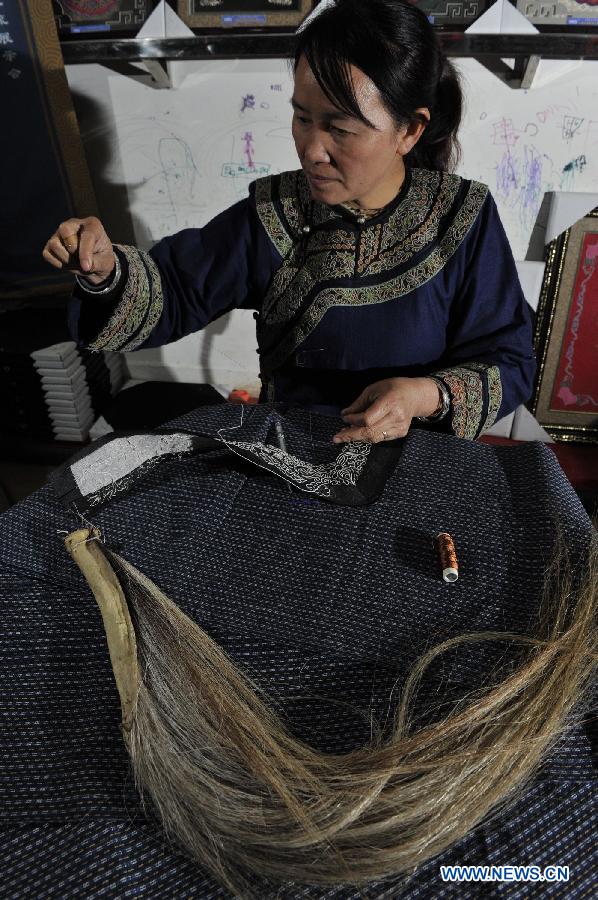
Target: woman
column 370, row 270
column 383, row 286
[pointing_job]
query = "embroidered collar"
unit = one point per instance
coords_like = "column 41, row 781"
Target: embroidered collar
column 328, row 261
column 376, row 216
column 353, row 475
column 289, row 213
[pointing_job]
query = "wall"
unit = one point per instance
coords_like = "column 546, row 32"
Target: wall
column 163, row 160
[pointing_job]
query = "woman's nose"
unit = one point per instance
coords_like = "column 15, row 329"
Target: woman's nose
column 315, row 149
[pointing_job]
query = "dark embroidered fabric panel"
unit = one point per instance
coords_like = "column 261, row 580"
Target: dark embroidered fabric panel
column 354, row 474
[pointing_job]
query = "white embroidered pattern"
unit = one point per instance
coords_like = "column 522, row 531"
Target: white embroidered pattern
column 121, row 456
column 314, row 479
column 109, row 491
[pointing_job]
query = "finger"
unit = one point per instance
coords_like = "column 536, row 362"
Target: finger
column 372, row 415
column 357, row 434
column 387, row 429
column 56, row 246
column 88, row 240
column 353, row 434
column 68, row 232
column 360, row 404
column 51, row 258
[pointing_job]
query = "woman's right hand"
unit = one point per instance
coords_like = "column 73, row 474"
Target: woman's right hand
column 82, row 247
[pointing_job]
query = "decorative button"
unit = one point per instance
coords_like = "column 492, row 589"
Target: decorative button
column 306, row 229
column 361, row 220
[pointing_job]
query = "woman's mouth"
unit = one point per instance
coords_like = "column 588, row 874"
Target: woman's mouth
column 320, row 178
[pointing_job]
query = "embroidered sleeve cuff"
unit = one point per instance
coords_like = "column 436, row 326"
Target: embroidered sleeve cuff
column 476, row 395
column 139, row 307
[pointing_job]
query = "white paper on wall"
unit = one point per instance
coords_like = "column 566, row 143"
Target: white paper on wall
column 527, row 428
column 191, row 153
column 502, row 18
column 531, row 275
column 188, row 154
column 524, row 143
column 503, row 427
column 566, row 209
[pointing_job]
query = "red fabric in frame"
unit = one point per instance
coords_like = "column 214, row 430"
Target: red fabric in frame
column 576, row 383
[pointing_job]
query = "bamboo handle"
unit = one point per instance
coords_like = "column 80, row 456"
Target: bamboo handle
column 122, row 645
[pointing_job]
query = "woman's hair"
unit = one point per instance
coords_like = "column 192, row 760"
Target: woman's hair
column 393, row 42
column 242, row 795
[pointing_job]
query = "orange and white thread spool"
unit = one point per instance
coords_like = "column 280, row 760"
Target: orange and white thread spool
column 448, row 557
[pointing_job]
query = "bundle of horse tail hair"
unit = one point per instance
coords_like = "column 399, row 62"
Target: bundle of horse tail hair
column 243, row 797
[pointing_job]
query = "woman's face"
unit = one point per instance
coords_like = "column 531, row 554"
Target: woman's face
column 344, row 159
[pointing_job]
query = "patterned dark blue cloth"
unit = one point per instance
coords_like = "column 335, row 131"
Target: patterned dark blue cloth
column 319, row 602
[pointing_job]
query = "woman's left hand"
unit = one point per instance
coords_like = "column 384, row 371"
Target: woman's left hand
column 384, row 410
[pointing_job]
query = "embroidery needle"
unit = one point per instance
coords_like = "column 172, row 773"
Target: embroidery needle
column 280, row 437
column 280, row 440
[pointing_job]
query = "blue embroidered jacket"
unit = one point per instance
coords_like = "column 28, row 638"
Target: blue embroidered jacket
column 427, row 286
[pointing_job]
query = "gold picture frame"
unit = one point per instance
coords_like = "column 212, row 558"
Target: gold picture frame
column 565, row 400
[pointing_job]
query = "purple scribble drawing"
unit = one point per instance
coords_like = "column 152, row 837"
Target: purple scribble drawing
column 571, row 125
column 532, row 190
column 519, row 182
column 249, row 151
column 248, row 102
column 565, row 393
column 507, row 179
column 507, row 176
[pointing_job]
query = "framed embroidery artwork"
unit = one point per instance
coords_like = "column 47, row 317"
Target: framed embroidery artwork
column 565, row 400
column 243, row 14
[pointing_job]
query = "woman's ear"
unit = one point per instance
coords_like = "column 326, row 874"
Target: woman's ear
column 411, row 133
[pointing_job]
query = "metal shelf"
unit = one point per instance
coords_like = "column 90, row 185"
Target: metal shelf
column 489, row 49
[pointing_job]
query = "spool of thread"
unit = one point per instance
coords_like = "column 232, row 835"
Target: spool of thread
column 448, row 557
column 238, row 396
